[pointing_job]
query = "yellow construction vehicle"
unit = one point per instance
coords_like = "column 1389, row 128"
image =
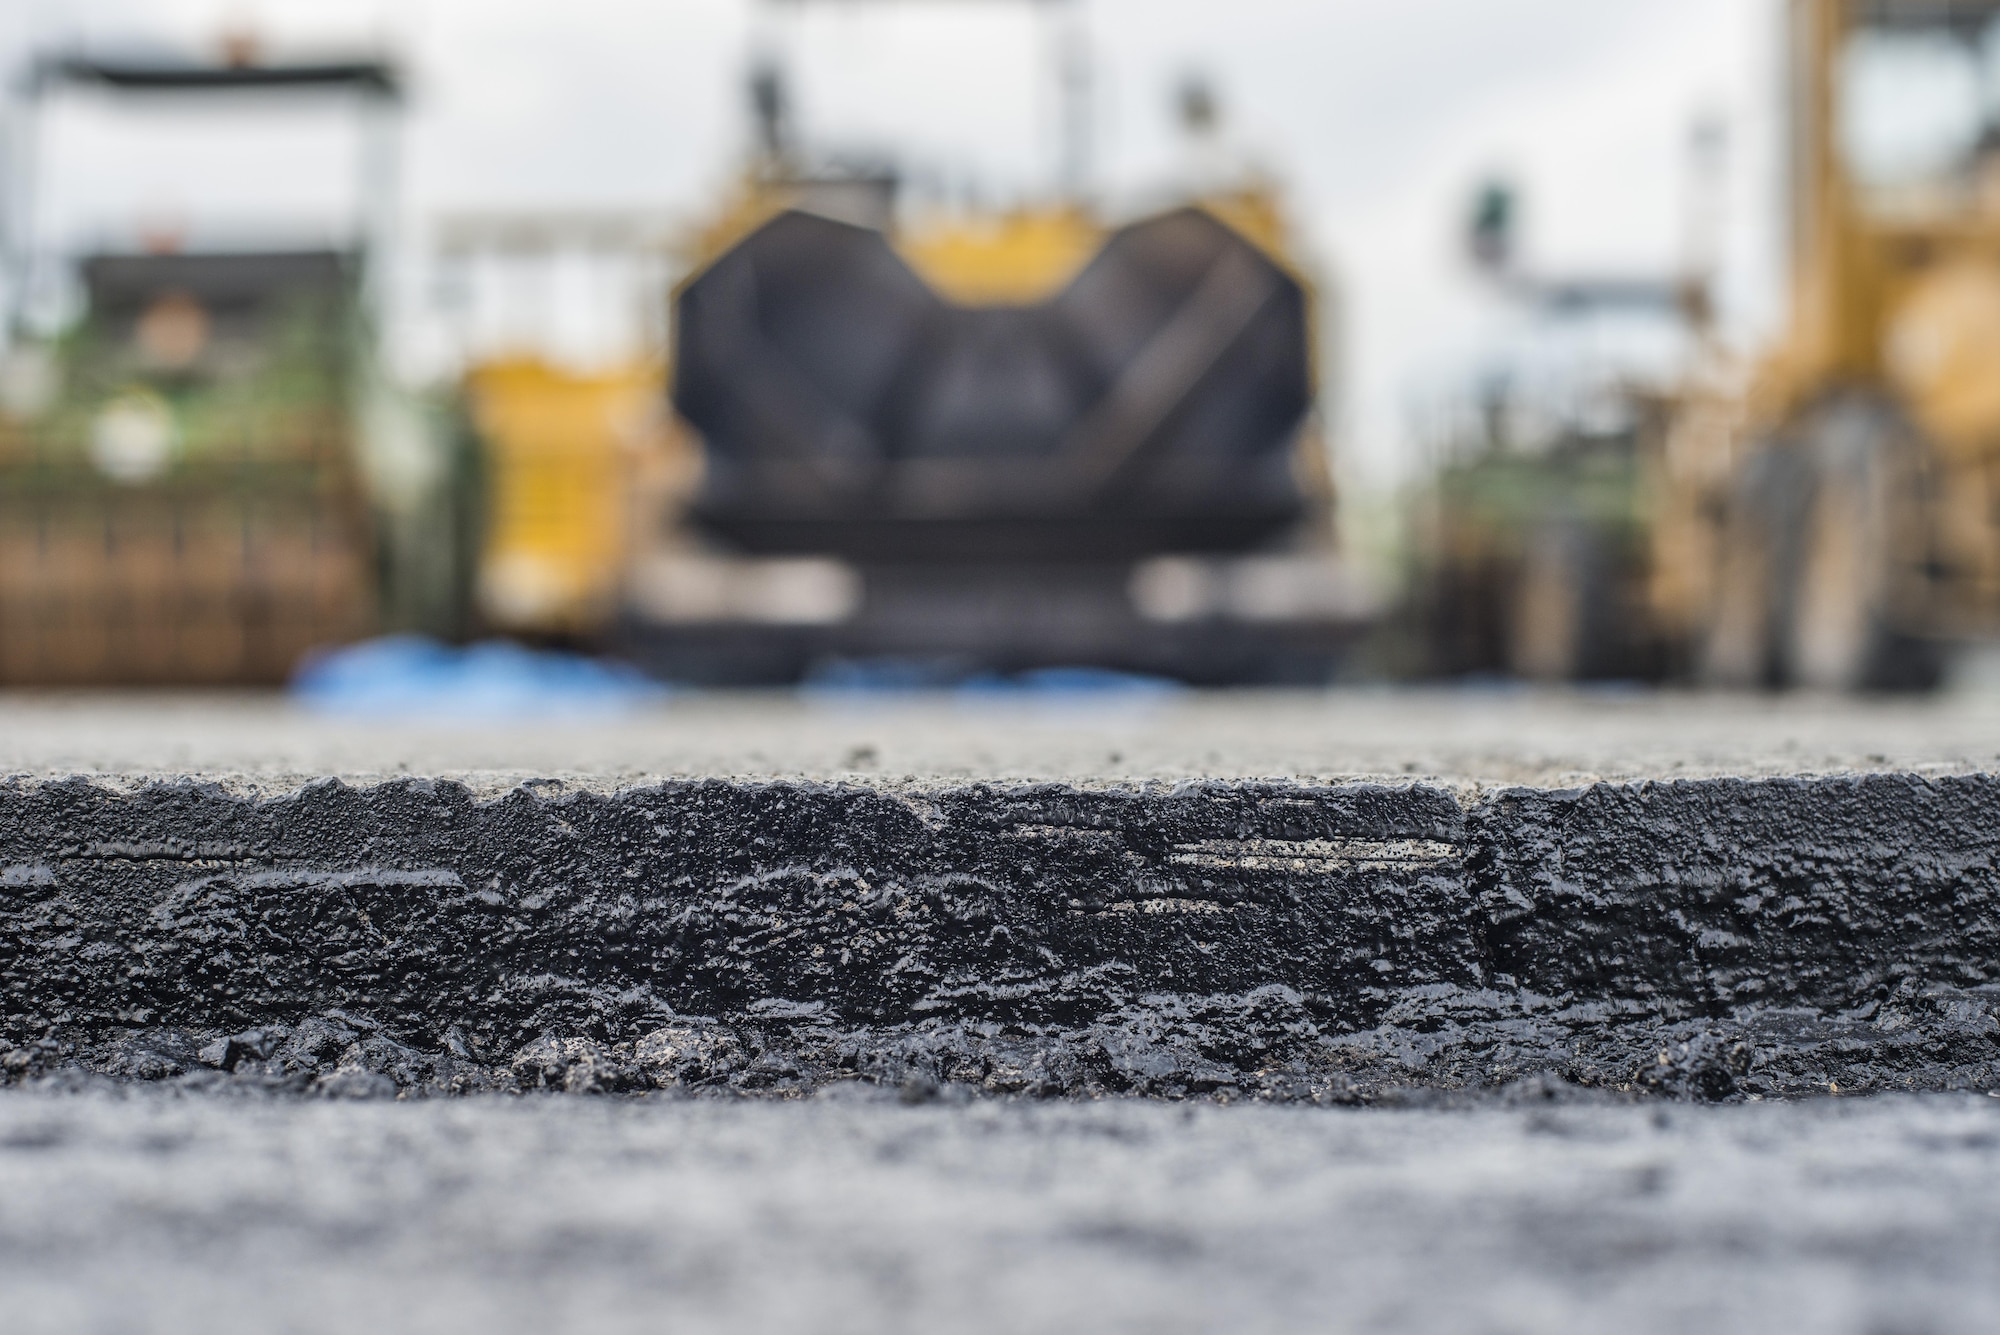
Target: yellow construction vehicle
column 577, row 453
column 1835, row 523
column 563, row 455
column 993, row 440
column 1826, row 515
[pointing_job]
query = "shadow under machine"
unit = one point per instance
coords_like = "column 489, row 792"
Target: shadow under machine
column 994, row 441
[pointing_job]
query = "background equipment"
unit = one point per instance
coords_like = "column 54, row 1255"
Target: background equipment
column 207, row 474
column 971, row 438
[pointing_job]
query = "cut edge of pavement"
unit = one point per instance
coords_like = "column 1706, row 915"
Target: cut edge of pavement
column 1353, row 942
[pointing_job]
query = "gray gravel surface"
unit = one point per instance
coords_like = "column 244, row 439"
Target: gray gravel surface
column 1462, row 738
column 149, row 1213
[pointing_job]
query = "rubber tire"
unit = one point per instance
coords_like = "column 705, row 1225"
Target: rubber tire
column 1808, row 565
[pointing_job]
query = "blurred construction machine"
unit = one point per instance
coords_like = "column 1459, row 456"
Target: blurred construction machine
column 993, row 439
column 1837, row 524
column 206, row 475
column 1532, row 546
column 577, row 453
column 1827, row 516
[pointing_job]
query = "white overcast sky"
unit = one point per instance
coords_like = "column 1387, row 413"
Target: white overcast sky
column 1379, row 115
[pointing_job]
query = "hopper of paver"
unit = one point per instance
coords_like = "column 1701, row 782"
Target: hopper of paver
column 847, row 409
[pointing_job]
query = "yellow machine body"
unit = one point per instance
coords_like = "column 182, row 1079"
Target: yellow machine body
column 1022, row 256
column 1004, row 259
column 563, row 457
column 1892, row 338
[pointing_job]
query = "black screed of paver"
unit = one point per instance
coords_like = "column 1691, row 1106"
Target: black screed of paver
column 1709, row 939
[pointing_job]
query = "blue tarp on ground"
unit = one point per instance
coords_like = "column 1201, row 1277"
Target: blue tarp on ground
column 415, row 676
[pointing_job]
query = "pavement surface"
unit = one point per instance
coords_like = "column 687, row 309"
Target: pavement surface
column 158, row 1214
column 1456, row 738
column 1400, row 1011
column 1177, row 895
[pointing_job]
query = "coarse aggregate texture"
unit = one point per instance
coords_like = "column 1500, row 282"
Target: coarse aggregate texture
column 141, row 1211
column 1787, row 918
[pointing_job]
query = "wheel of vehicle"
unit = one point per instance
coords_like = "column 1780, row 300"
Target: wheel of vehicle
column 1738, row 646
column 1549, row 622
column 1840, row 624
column 1835, row 619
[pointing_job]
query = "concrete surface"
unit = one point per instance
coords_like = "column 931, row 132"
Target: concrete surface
column 155, row 1214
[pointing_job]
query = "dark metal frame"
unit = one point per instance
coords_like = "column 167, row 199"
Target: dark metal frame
column 378, row 84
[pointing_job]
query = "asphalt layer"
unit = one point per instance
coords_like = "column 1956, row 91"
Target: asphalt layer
column 1443, row 1011
column 846, row 1213
column 1315, row 937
